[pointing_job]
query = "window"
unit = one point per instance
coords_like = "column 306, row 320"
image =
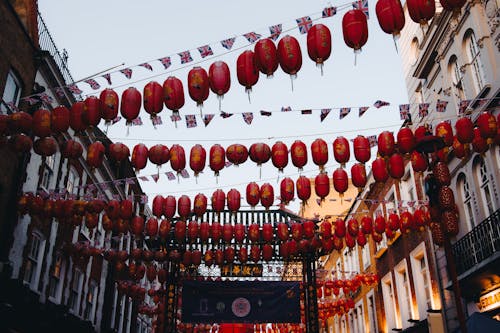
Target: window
column 404, row 293
column 419, row 95
column 352, row 322
column 414, row 48
column 422, row 280
column 389, row 302
column 465, row 192
column 475, row 61
column 372, row 313
column 90, row 301
column 33, row 261
column 360, row 317
column 485, row 185
column 11, row 93
column 48, row 171
column 55, row 279
column 338, row 268
column 456, row 78
column 76, row 287
column 343, row 325
column 365, row 252
column 72, row 181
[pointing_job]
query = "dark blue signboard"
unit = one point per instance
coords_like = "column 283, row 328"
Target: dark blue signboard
column 240, row 302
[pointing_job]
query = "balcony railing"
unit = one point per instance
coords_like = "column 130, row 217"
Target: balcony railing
column 479, row 244
column 47, row 44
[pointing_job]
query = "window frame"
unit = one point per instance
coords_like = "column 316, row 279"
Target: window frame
column 474, row 56
column 11, row 77
column 372, row 314
column 404, row 290
column 418, row 254
column 34, row 259
column 389, row 299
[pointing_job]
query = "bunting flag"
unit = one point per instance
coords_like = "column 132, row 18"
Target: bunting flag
column 247, row 117
column 252, row 37
column 156, row 121
column 191, row 121
column 228, row 164
column 93, row 84
column 423, row 109
column 59, row 92
column 185, row 57
column 146, row 65
column 344, row 112
column 286, row 109
column 166, row 62
column 144, row 178
column 306, row 112
column 108, row 78
column 184, row 173
column 304, row 24
column 225, row 115
column 462, row 106
column 362, row 110
column 129, row 181
column 127, row 72
column 104, row 186
column 207, row 118
column 155, row 177
column 275, row 31
column 144, row 199
column 44, row 97
column 324, row 113
column 228, row 43
column 137, row 121
column 74, row 89
column 116, row 197
column 378, row 104
column 205, row 51
column 117, row 119
column 372, row 139
column 363, row 5
column 170, row 175
column 329, row 11
column 13, row 107
column 175, row 117
column 265, row 113
column 30, row 100
column 404, row 111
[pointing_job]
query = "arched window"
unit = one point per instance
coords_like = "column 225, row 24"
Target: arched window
column 481, row 172
column 465, row 193
column 474, row 57
column 456, row 78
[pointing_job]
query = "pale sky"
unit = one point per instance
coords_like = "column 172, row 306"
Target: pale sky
column 101, row 34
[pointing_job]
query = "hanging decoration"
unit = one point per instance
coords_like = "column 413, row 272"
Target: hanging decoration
column 219, row 79
column 290, row 56
column 247, row 71
column 266, row 56
column 319, row 44
column 198, row 86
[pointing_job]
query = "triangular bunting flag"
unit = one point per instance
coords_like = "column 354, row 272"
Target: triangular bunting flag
column 363, row 5
column 137, row 121
column 378, row 104
column 191, row 121
column 324, row 113
column 372, row 139
column 441, row 105
column 304, row 24
column 93, row 84
column 207, row 118
column 275, row 31
column 462, row 106
column 329, row 12
column 247, row 117
column 156, row 121
column 175, row 117
column 155, row 177
column 205, row 51
column 404, row 111
column 170, row 175
column 423, row 109
column 117, row 119
column 286, row 109
column 74, row 89
column 166, row 62
column 44, row 97
column 146, row 65
column 59, row 92
column 265, row 113
column 130, row 181
column 184, row 173
column 144, row 178
column 185, row 57
column 144, row 199
column 306, row 111
column 228, row 43
column 127, row 72
column 362, row 110
column 228, row 164
column 225, row 115
column 252, row 37
column 108, row 78
column 344, row 112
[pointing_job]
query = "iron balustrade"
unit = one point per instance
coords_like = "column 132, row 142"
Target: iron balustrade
column 479, row 244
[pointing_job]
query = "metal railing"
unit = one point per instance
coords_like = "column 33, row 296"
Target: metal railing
column 47, row 44
column 479, row 244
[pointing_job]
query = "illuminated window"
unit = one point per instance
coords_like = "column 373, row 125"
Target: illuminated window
column 404, row 293
column 75, row 292
column 33, row 261
column 389, row 302
column 55, row 278
column 422, row 280
column 372, row 313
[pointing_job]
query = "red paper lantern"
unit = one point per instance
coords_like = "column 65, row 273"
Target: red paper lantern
column 379, row 170
column 227, row 233
column 322, row 185
column 253, row 194
column 46, row 146
column 279, row 155
column 421, row 11
column 406, row 140
column 139, row 157
column 229, row 254
column 92, row 111
column 453, row 5
column 479, row 144
column 243, row 255
column 158, row 206
column 21, row 143
column 464, row 128
column 298, row 151
column 319, row 44
column 108, row 103
column 362, row 149
column 352, row 227
column 287, row 190
column 396, row 166
column 266, row 56
column 340, row 181
column 72, row 149
column 198, row 85
column 21, row 122
column 418, row 161
column 126, row 209
column 130, row 104
column 137, row 225
column 177, row 158
column 197, row 159
column 444, row 130
column 407, row 222
column 266, row 195
column 173, row 92
column 153, row 98
column 390, row 16
column 75, row 117
column 393, row 222
column 355, row 29
column 487, row 125
column 358, row 176
column 366, row 224
column 460, row 150
column 237, row 154
column 169, row 207
column 446, row 198
column 184, row 207
column 449, row 219
column 260, row 153
column 159, row 154
column 216, row 231
column 219, row 79
column 361, row 239
column 437, row 232
column 289, row 55
column 379, row 224
column 254, row 232
column 341, row 150
column 239, row 232
column 233, row 200
column 441, row 173
column 246, row 70
column 217, row 158
column 303, row 185
column 267, row 252
column 113, row 209
column 95, row 154
column 118, row 152
column 200, row 204
column 193, row 230
column 297, row 230
column 267, row 232
column 218, row 200
column 319, row 152
column 59, row 119
column 386, row 145
column 41, row 123
column 180, row 233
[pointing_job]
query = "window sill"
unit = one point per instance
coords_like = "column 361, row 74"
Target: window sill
column 380, row 252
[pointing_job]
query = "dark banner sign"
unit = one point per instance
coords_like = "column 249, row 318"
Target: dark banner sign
column 240, row 302
column 238, row 270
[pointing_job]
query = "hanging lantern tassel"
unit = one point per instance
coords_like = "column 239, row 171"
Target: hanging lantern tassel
column 200, row 105
column 341, row 195
column 220, row 97
column 395, row 38
column 248, row 90
column 175, row 114
column 292, row 77
column 320, row 65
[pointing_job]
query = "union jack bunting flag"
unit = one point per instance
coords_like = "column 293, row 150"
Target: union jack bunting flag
column 166, row 62
column 207, row 118
column 306, row 111
column 108, row 78
column 184, row 173
column 378, row 104
column 155, row 177
column 117, row 119
column 93, row 84
column 170, row 175
column 344, row 112
column 324, row 113
column 146, row 65
column 265, row 113
column 423, row 109
column 44, row 97
column 12, row 106
column 116, row 196
column 117, row 182
column 404, row 111
column 441, row 105
column 59, row 92
column 127, row 72
column 228, row 164
column 30, row 100
column 247, row 117
column 304, row 24
column 137, row 121
column 286, row 109
column 462, row 107
column 329, row 11
column 363, row 5
column 104, row 186
column 275, row 31
column 372, row 139
column 225, row 115
column 156, row 121
column 362, row 110
column 191, row 121
column 252, row 37
column 185, row 57
column 144, row 178
column 228, row 43
column 74, row 89
column 175, row 117
column 205, row 51
column 144, row 199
